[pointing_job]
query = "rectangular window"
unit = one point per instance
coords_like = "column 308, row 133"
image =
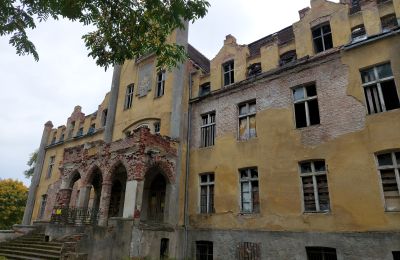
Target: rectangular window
column 322, row 38
column 287, row 57
column 321, row 253
column 71, row 129
column 249, row 192
column 306, row 106
column 315, row 186
column 228, row 71
column 53, row 140
column 61, row 138
column 389, row 168
column 129, row 96
column 380, row 89
column 42, row 206
column 50, row 168
column 204, row 250
column 80, row 132
column 104, row 117
column 248, row 251
column 358, row 33
column 160, row 83
column 247, row 120
column 207, row 129
column 207, row 193
column 355, row 6
column 389, row 22
column 92, row 129
column 164, row 245
column 205, row 89
column 157, row 127
column 254, row 69
column 396, row 255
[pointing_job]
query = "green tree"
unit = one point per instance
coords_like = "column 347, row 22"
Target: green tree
column 31, row 163
column 125, row 29
column 13, row 195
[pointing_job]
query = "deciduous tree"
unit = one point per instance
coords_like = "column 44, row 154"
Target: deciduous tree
column 13, row 195
column 31, row 163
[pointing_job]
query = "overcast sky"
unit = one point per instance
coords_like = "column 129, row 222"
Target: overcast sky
column 35, row 92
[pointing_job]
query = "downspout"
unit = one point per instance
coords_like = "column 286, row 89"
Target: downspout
column 186, row 208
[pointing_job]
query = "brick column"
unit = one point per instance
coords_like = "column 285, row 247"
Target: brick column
column 105, row 203
column 36, row 174
column 84, row 196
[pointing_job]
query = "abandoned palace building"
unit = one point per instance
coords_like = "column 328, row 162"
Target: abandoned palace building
column 284, row 148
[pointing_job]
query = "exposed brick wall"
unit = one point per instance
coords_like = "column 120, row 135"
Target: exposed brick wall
column 339, row 113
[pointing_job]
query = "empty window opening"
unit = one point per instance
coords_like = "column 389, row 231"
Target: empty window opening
column 380, row 89
column 355, row 6
column 53, row 140
column 61, row 138
column 247, row 120
column 389, row 168
column 249, row 191
column 104, row 117
column 389, row 22
column 207, row 193
column 358, row 33
column 160, row 83
column 254, row 69
column 42, row 206
column 204, row 89
column 80, row 132
column 287, row 57
column 92, row 129
column 157, row 199
column 51, row 166
column 315, row 186
column 228, row 71
column 306, row 106
column 322, row 38
column 248, row 251
column 396, row 255
column 207, row 129
column 129, row 96
column 164, row 246
column 321, row 253
column 71, row 129
column 204, row 250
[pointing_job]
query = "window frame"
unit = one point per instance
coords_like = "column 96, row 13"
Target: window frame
column 247, row 116
column 209, row 245
column 210, row 208
column 50, row 166
column 129, row 96
column 249, row 180
column 42, row 208
column 230, row 71
column 323, row 250
column 305, row 100
column 321, row 35
column 209, row 127
column 377, row 82
column 314, row 175
column 395, row 166
column 160, row 83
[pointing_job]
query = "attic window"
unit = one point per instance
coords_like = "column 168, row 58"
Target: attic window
column 254, row 69
column 358, row 33
column 322, row 38
column 228, row 71
column 204, row 89
column 389, row 22
column 287, row 57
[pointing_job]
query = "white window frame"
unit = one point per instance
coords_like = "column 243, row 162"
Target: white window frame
column 229, row 71
column 321, row 35
column 160, row 87
column 207, row 184
column 208, row 127
column 376, row 82
column 395, row 166
column 247, row 116
column 305, row 100
column 129, row 96
column 249, row 180
column 314, row 175
column 51, row 166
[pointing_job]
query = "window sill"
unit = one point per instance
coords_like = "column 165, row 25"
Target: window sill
column 384, row 112
column 249, row 214
column 309, row 127
column 206, row 147
column 317, row 212
column 392, row 211
column 158, row 97
column 247, row 140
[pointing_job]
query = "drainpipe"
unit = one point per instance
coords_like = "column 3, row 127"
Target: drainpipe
column 186, row 208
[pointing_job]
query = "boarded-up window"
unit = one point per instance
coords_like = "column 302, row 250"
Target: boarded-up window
column 315, row 186
column 322, row 38
column 321, row 253
column 248, row 251
column 207, row 129
column 380, row 89
column 389, row 168
column 306, row 108
column 250, row 198
column 204, row 250
column 247, row 120
column 207, row 193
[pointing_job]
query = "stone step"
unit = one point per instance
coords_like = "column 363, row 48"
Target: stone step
column 37, row 243
column 33, row 249
column 13, row 257
column 32, row 255
column 43, row 245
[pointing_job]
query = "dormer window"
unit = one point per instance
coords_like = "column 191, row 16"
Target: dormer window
column 228, row 71
column 287, row 57
column 92, row 128
column 204, row 89
column 254, row 69
column 389, row 22
column 80, row 132
column 358, row 33
column 322, row 38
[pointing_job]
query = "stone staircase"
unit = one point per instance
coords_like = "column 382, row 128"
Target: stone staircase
column 32, row 246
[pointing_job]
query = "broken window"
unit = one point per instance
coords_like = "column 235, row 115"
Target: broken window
column 157, row 126
column 306, row 106
column 204, row 89
column 104, row 117
column 129, row 96
column 249, row 192
column 389, row 22
column 355, row 6
column 254, row 69
column 321, row 253
column 50, row 168
column 322, row 38
column 208, row 129
column 160, row 83
column 207, row 193
column 92, row 129
column 389, row 168
column 396, row 255
column 42, row 206
column 164, row 245
column 247, row 120
column 80, row 132
column 228, row 71
column 71, row 129
column 380, row 89
column 248, row 251
column 287, row 57
column 358, row 33
column 315, row 186
column 204, row 250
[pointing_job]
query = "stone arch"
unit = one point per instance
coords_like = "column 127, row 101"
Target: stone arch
column 115, row 163
column 89, row 175
column 165, row 168
column 90, row 191
column 72, row 178
column 117, row 177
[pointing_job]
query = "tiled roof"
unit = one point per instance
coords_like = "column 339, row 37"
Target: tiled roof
column 199, row 58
